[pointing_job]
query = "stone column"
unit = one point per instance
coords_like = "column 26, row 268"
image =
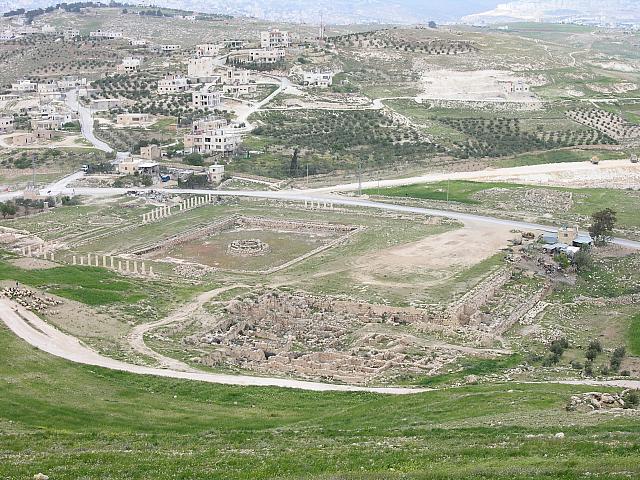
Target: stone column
column 210, row 200
column 126, row 266
column 135, row 267
column 119, row 265
column 74, row 260
column 24, row 251
column 111, row 258
column 29, row 250
column 53, row 258
column 151, row 271
column 81, row 260
column 104, row 261
column 142, row 268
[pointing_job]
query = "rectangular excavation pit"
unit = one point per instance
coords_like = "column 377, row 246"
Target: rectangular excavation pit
column 248, row 244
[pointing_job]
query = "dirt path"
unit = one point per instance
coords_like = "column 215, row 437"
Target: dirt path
column 136, row 337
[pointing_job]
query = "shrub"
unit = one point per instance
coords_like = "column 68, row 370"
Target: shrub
column 616, row 358
column 631, row 399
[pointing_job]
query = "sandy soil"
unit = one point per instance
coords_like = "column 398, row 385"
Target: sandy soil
column 477, row 85
column 441, row 255
column 32, row 263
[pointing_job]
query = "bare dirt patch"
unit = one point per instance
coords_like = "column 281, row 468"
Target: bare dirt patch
column 30, row 263
column 443, row 255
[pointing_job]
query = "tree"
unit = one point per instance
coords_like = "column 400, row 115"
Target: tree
column 194, row 159
column 602, row 225
column 8, row 209
column 293, row 166
column 583, row 260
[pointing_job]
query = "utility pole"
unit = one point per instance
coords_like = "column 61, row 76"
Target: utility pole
column 447, row 190
column 359, row 177
column 33, row 171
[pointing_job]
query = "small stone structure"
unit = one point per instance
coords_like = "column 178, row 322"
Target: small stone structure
column 248, row 248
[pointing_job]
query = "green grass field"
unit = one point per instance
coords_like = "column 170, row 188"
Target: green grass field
column 71, row 421
column 558, row 156
column 586, row 201
column 454, row 191
column 89, row 285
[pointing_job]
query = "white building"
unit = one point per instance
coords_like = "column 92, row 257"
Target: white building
column 208, row 49
column 275, row 39
column 48, row 29
column 129, row 64
column 131, row 166
column 238, row 90
column 212, row 135
column 7, row 124
column 514, row 86
column 70, row 33
column 206, row 99
column 318, row 79
column 108, row 34
column 259, row 55
column 238, row 76
column 169, row 48
column 51, row 116
column 7, row 35
column 133, row 119
column 208, row 123
column 172, row 84
column 215, row 173
column 48, row 87
column 233, row 43
column 137, row 42
column 24, row 86
column 202, row 67
column 69, row 83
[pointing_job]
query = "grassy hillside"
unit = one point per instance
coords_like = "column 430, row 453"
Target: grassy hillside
column 71, row 421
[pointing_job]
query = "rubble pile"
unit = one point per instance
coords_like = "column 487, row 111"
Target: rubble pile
column 588, row 402
column 319, row 338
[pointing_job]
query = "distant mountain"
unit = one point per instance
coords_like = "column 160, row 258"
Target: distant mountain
column 583, row 11
column 333, row 11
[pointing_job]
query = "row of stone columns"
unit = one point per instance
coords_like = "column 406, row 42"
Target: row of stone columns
column 40, row 251
column 156, row 214
column 126, row 266
column 165, row 211
column 318, row 204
